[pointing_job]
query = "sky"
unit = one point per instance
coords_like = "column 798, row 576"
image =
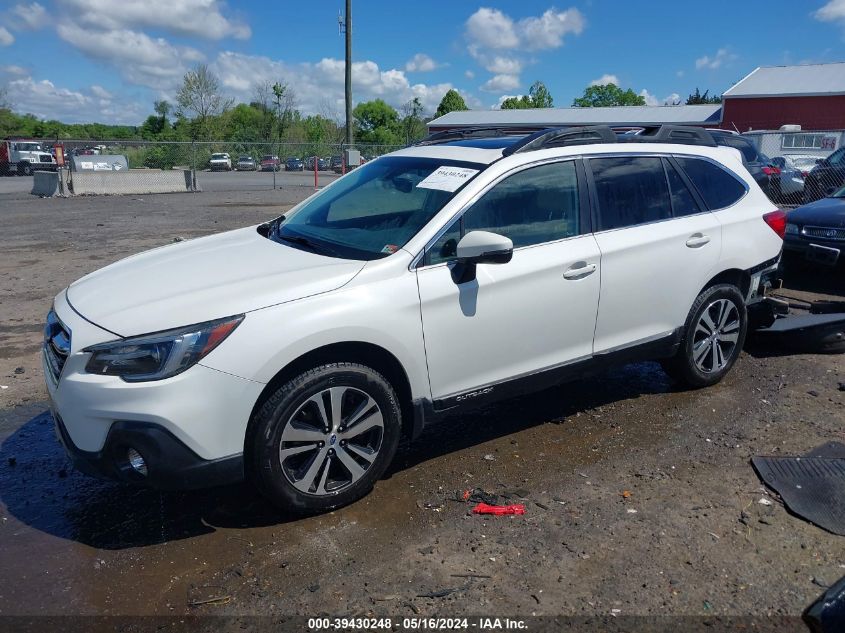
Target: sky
column 109, row 60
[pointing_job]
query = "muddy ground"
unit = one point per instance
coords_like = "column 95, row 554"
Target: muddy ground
column 640, row 498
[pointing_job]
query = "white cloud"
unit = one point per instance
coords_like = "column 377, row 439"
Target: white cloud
column 196, row 18
column 499, row 83
column 680, row 73
column 421, row 63
column 469, row 74
column 548, row 30
column 316, row 85
column 604, row 80
column 29, row 16
column 11, row 69
column 142, row 60
column 651, row 100
column 490, row 32
column 47, row 101
column 499, row 65
column 722, row 57
column 832, row 11
column 100, row 92
column 6, row 38
column 491, row 28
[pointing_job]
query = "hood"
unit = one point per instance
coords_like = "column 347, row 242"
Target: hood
column 201, row 280
column 825, row 212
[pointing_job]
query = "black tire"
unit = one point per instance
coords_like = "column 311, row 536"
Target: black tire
column 264, row 440
column 26, row 169
column 682, row 367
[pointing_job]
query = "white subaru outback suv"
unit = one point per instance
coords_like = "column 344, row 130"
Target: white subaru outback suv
column 468, row 267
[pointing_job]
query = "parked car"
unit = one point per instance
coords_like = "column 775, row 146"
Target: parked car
column 436, row 279
column 336, row 164
column 247, row 163
column 786, row 179
column 758, row 164
column 826, row 177
column 220, row 162
column 270, row 162
column 803, row 162
column 294, row 164
column 816, row 231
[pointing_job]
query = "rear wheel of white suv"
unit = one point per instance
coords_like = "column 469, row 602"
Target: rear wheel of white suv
column 713, row 337
column 324, row 438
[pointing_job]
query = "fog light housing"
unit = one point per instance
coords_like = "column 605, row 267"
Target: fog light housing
column 136, row 462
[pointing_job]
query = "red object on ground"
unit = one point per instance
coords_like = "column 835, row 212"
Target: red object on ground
column 483, row 508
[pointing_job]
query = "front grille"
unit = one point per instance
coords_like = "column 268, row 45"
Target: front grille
column 45, row 158
column 56, row 345
column 824, row 233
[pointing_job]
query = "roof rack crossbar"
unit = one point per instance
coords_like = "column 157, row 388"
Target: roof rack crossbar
column 466, row 132
column 682, row 134
column 561, row 137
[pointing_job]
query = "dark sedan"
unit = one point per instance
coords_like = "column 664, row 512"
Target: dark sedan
column 817, row 230
column 827, row 176
column 294, row 164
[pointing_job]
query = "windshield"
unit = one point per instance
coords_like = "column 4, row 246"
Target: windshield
column 840, row 193
column 218, row 156
column 377, row 208
column 29, row 147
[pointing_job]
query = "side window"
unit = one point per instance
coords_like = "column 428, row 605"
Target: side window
column 631, row 190
column 536, row 205
column 683, row 202
column 716, row 185
column 837, row 158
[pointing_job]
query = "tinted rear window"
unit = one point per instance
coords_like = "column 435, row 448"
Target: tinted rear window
column 630, row 190
column 748, row 151
column 683, row 202
column 718, row 187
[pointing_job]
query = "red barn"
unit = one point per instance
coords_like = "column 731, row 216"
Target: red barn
column 809, row 95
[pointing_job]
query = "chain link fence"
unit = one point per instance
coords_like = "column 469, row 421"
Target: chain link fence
column 804, row 165
column 208, row 166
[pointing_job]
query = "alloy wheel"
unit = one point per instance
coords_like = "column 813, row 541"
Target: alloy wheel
column 716, row 336
column 331, row 440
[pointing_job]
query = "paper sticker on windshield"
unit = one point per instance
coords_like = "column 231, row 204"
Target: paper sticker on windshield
column 447, row 178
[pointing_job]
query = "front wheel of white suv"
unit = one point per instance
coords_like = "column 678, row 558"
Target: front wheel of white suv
column 713, row 337
column 323, row 439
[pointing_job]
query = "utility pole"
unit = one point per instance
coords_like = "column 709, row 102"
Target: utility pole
column 348, row 25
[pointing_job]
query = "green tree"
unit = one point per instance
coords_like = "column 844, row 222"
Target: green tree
column 538, row 97
column 376, row 122
column 451, row 102
column 200, row 96
column 697, row 98
column 412, row 124
column 607, row 95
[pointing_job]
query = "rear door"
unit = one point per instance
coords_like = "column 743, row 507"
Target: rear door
column 658, row 248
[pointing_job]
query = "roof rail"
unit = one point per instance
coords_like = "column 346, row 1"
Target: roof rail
column 682, row 134
column 563, row 136
column 466, row 132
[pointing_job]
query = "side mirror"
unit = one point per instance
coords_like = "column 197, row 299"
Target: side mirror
column 480, row 247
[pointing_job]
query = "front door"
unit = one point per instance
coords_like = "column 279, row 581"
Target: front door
column 537, row 311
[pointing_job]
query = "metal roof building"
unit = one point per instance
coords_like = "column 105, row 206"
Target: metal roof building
column 620, row 116
column 809, row 95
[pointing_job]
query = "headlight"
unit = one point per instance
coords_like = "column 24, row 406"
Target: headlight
column 160, row 355
column 791, row 229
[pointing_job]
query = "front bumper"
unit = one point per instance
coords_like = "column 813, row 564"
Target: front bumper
column 189, row 428
column 170, row 465
column 805, row 245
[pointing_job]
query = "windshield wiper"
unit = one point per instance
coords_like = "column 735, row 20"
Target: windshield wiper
column 304, row 241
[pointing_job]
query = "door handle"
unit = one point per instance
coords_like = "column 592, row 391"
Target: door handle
column 579, row 270
column 697, row 240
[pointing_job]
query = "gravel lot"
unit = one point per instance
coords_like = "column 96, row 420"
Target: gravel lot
column 641, row 499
